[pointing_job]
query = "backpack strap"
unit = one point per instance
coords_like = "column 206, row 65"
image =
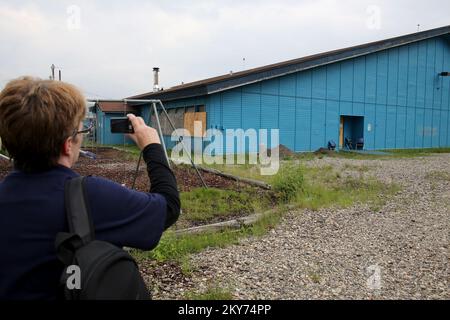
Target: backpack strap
column 77, row 209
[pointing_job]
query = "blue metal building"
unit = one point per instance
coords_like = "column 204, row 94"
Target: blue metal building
column 392, row 93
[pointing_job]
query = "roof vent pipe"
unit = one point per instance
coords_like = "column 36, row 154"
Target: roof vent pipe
column 155, row 79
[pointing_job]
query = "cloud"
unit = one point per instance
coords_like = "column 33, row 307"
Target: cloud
column 112, row 51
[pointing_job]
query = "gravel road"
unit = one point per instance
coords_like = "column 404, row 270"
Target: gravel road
column 399, row 252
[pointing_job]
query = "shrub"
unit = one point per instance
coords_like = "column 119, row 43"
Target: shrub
column 288, row 183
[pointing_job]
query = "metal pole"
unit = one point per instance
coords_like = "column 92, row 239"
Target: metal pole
column 160, row 132
column 53, row 71
column 4, row 157
column 182, row 144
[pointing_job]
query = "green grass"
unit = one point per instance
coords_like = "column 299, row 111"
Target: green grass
column 417, row 152
column 326, row 187
column 202, row 205
column 295, row 184
column 176, row 248
column 393, row 153
column 213, row 292
column 301, row 186
column 314, row 276
column 438, row 176
column 288, row 183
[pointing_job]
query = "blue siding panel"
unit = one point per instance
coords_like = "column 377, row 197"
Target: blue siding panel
column 287, row 122
column 371, row 79
column 427, row 128
column 382, row 77
column 438, row 67
column 412, row 75
column 231, row 101
column 332, row 121
column 303, row 125
column 214, row 110
column 287, row 85
column 430, row 74
column 403, row 53
column 333, row 81
column 420, row 118
column 358, row 109
column 319, row 83
column 270, row 86
column 436, row 126
column 318, row 124
column 411, row 131
column 392, row 76
column 400, row 130
column 304, row 84
column 251, row 111
column 391, row 121
column 445, row 81
column 346, row 108
column 421, row 74
column 269, row 112
column 346, row 81
column 443, row 129
column 380, row 126
column 252, row 88
column 369, row 121
column 359, row 79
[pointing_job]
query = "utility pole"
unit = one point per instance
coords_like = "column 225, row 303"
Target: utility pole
column 52, row 67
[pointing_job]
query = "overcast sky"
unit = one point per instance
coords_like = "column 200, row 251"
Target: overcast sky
column 108, row 48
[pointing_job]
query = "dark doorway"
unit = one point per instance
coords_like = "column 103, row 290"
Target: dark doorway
column 351, row 133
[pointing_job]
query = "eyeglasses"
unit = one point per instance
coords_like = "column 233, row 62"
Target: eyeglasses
column 84, row 131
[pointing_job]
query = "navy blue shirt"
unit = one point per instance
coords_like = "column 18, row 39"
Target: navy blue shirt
column 32, row 213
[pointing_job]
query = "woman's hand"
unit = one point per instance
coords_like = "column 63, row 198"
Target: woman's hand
column 143, row 135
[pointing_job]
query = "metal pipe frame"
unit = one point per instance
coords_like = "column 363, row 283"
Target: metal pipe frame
column 4, row 157
column 154, row 102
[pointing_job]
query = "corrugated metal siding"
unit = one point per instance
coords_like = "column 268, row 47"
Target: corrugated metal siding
column 403, row 101
column 332, row 121
column 369, row 121
column 231, row 102
column 400, row 128
column 318, row 124
column 303, row 125
column 251, row 115
column 287, row 122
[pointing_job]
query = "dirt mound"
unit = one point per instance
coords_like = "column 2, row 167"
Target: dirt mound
column 324, row 151
column 283, row 151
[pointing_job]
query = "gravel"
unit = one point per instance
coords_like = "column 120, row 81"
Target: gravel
column 399, row 252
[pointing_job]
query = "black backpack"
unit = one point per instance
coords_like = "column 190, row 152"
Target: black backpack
column 107, row 272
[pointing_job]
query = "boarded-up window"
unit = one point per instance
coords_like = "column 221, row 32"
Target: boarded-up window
column 189, row 120
column 190, row 109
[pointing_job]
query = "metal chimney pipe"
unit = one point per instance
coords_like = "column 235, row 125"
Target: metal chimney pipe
column 52, row 67
column 155, row 79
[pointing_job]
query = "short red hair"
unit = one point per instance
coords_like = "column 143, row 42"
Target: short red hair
column 36, row 117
